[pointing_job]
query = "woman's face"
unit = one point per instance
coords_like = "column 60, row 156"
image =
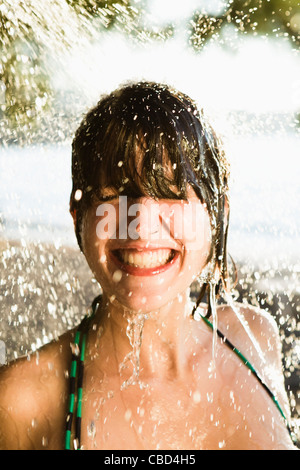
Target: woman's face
column 144, row 252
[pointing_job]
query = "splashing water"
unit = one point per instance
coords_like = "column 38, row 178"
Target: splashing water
column 215, row 325
column 134, row 332
column 245, row 325
column 45, row 289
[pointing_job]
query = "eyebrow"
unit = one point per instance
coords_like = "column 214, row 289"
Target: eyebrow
column 104, row 193
column 108, row 190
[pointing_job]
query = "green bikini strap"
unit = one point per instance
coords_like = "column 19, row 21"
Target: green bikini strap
column 251, row 368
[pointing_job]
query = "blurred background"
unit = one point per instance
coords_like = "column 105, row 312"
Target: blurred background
column 239, row 59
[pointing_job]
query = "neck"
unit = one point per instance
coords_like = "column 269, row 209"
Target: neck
column 146, row 343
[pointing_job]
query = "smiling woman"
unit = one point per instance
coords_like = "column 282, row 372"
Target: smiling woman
column 147, row 142
column 146, row 372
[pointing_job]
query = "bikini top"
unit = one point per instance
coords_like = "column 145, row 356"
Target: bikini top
column 77, row 370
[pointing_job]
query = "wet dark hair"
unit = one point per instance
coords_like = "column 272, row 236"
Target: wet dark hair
column 167, row 127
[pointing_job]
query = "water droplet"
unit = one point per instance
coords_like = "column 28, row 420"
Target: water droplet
column 91, row 429
column 196, row 397
column 117, row 276
column 76, row 443
column 127, row 415
column 75, row 349
column 78, row 195
column 33, row 423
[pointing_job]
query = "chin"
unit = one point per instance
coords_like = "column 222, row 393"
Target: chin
column 140, row 302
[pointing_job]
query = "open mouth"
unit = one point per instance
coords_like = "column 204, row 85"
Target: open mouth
column 144, row 262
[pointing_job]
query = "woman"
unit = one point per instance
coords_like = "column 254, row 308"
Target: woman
column 149, row 369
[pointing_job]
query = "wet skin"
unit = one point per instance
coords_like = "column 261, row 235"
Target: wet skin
column 180, row 399
column 188, row 405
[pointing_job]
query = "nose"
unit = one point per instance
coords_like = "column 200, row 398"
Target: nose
column 143, row 218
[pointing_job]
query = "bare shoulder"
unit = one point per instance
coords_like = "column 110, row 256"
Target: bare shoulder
column 33, row 388
column 247, row 324
column 257, row 337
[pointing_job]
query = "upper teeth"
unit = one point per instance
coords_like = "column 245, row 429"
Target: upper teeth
column 145, row 259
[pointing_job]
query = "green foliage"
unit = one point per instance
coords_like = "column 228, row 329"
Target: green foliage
column 26, row 86
column 278, row 18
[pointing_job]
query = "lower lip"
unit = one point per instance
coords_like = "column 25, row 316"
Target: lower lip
column 136, row 271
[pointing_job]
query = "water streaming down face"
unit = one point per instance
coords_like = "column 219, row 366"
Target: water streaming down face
column 52, row 288
column 134, row 332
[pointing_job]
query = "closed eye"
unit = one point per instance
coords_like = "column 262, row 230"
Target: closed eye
column 99, row 198
column 108, row 198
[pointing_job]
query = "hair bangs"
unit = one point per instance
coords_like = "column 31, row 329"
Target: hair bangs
column 154, row 154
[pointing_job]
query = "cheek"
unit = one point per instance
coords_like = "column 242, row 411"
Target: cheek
column 99, row 224
column 192, row 227
column 197, row 242
column 87, row 232
column 93, row 247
